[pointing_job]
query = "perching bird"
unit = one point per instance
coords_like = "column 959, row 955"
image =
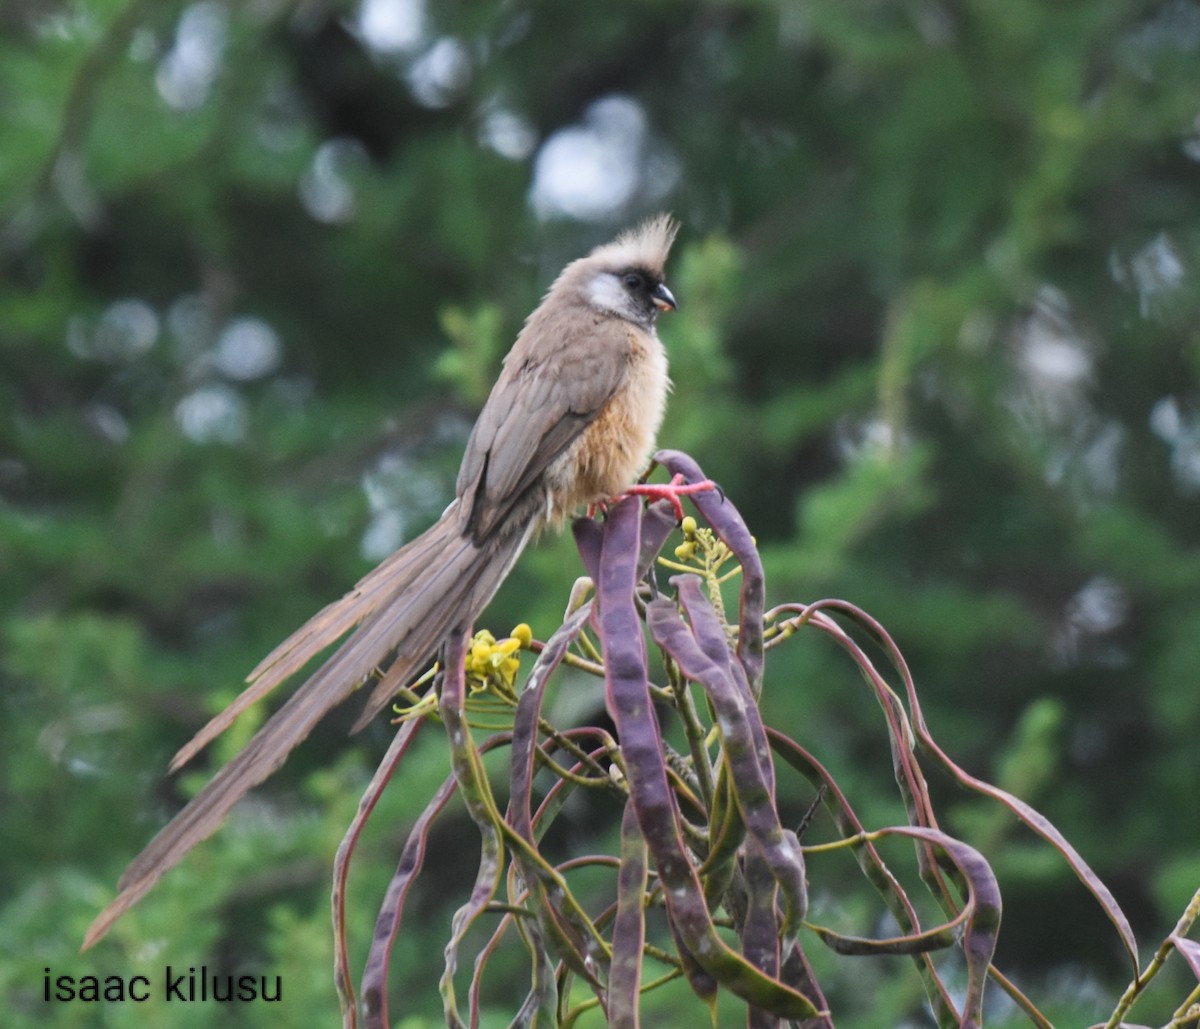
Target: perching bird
column 570, row 422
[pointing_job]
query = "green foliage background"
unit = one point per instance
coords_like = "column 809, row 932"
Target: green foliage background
column 938, row 341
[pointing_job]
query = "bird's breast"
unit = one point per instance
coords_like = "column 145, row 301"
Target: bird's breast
column 613, row 450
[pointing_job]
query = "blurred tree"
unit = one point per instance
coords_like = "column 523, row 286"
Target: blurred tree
column 938, row 337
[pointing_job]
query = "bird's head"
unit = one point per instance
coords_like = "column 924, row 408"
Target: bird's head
column 624, row 278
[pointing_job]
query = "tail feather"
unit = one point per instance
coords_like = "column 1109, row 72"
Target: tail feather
column 449, row 600
column 379, row 587
column 408, row 604
column 334, row 619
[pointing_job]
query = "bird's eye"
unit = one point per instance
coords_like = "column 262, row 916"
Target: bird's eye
column 634, row 281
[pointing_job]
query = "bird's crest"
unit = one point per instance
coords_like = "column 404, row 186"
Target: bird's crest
column 643, row 246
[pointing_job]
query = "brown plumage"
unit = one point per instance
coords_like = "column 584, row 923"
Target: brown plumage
column 570, row 421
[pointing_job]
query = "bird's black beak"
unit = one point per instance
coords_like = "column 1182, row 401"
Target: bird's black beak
column 662, row 298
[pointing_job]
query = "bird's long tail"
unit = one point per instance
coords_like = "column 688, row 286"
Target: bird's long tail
column 408, row 604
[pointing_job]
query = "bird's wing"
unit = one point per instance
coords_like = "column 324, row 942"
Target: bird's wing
column 538, row 407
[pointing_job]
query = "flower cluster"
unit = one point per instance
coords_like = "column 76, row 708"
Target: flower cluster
column 493, row 664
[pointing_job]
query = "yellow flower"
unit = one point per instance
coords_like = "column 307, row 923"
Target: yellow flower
column 508, row 646
column 496, row 662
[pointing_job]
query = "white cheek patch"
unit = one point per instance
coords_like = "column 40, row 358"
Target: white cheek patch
column 606, row 292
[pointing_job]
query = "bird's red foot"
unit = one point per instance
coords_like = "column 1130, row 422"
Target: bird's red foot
column 671, row 491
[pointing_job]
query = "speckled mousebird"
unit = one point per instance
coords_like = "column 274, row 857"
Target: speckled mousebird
column 570, row 422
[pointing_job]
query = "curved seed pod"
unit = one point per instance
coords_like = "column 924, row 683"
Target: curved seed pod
column 759, row 930
column 341, row 868
column 1024, row 812
column 741, row 730
column 472, row 781
column 650, row 791
column 561, row 923
column 978, row 921
column 728, row 525
column 412, row 857
column 629, row 929
column 871, row 863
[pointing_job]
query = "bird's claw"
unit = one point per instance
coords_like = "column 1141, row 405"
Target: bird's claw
column 672, row 491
